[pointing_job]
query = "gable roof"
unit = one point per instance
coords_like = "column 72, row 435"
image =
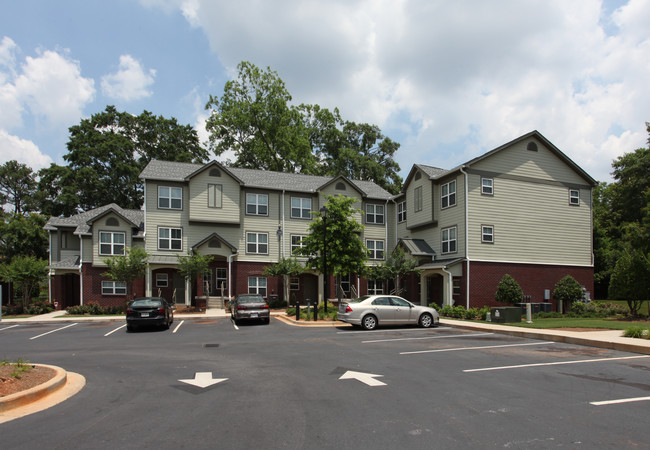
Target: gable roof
column 435, row 173
column 82, row 222
column 255, row 178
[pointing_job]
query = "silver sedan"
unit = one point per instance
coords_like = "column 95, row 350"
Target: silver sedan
column 371, row 310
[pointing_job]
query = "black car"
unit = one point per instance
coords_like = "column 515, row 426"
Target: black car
column 149, row 311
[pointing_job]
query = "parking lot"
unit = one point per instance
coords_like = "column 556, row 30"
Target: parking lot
column 209, row 383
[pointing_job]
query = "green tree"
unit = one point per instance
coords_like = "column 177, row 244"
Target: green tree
column 397, row 264
column 106, row 154
column 254, row 118
column 509, row 291
column 567, row 291
column 23, row 235
column 127, row 267
column 285, row 268
column 340, row 233
column 17, row 187
column 193, row 266
column 631, row 280
column 26, row 273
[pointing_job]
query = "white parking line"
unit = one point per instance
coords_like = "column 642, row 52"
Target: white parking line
column 620, row 400
column 118, row 328
column 456, row 349
column 12, row 326
column 58, row 329
column 178, row 326
column 557, row 363
column 428, row 337
column 235, row 325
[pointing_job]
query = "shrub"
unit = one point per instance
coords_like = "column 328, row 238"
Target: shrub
column 277, row 304
column 38, row 307
column 567, row 291
column 509, row 291
column 637, row 332
column 95, row 309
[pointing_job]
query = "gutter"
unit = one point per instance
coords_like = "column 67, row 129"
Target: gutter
column 462, row 170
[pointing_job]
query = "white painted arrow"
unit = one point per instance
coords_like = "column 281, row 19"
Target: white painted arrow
column 203, row 380
column 367, row 378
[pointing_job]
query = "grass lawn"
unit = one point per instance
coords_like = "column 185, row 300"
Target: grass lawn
column 611, row 324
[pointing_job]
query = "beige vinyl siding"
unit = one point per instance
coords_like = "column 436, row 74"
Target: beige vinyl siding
column 172, row 218
column 425, row 215
column 100, row 226
column 452, row 216
column 350, row 191
column 518, row 161
column 198, row 232
column 230, row 198
column 88, row 249
column 533, row 222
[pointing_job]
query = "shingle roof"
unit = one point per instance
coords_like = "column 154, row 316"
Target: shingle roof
column 82, row 222
column 254, row 178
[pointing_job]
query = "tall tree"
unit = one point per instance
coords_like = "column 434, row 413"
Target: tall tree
column 17, row 187
column 26, row 273
column 106, row 154
column 255, row 120
column 23, row 235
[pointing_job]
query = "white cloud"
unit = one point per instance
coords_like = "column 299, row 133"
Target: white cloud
column 130, row 82
column 49, row 85
column 453, row 78
column 23, row 151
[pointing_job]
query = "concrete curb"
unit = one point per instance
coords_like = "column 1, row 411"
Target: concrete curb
column 36, row 393
column 289, row 321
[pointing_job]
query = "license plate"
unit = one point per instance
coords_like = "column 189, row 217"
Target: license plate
column 144, row 314
column 255, row 315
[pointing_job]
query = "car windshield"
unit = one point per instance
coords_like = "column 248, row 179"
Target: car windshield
column 250, row 299
column 147, row 302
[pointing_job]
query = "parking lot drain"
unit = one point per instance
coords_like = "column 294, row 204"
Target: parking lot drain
column 210, row 345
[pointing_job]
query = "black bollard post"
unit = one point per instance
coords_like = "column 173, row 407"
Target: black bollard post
column 316, row 311
column 297, row 310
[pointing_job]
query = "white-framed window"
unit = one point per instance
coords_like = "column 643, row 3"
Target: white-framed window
column 170, row 197
column 401, row 211
column 487, row 234
column 296, row 242
column 449, row 240
column 487, row 186
column 170, row 238
column 257, row 243
column 375, row 248
column 417, row 195
column 375, row 287
column 257, row 285
column 294, row 284
column 113, row 288
column 215, row 195
column 257, row 204
column 162, row 280
column 111, row 242
column 300, row 208
column 456, row 286
column 574, row 197
column 375, row 214
column 448, row 194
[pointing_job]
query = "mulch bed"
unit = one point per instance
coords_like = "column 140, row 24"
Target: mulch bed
column 29, row 379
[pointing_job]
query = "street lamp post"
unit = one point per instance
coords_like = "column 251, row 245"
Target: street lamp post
column 323, row 213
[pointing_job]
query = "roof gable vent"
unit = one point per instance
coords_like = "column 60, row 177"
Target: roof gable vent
column 531, row 146
column 112, row 222
column 340, row 186
column 215, row 172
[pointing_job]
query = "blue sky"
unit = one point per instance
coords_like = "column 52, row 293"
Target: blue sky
column 447, row 80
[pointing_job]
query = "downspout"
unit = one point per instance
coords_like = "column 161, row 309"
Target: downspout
column 462, row 170
column 81, row 276
column 232, row 255
column 282, row 222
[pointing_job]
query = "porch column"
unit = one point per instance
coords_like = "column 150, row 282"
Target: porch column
column 321, row 288
column 446, row 289
column 147, row 282
column 188, row 292
column 423, row 289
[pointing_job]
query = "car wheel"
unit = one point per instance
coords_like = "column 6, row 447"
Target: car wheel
column 166, row 324
column 267, row 320
column 130, row 328
column 369, row 322
column 425, row 320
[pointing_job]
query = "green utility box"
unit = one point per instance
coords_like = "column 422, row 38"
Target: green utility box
column 505, row 314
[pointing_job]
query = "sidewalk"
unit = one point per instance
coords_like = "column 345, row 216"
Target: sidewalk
column 611, row 339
